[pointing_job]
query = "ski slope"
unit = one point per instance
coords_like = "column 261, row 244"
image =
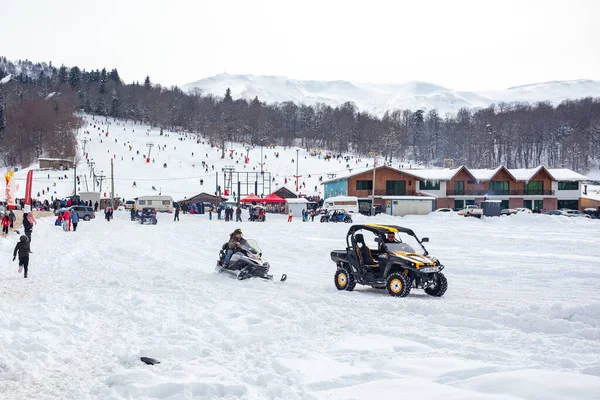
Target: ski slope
column 184, row 156
column 520, row 320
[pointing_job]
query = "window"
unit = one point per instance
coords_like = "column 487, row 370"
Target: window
column 534, row 187
column 459, row 187
column 166, row 202
column 498, row 187
column 459, row 204
column 149, row 202
column 395, row 188
column 528, row 204
column 568, row 185
column 570, row 204
column 471, row 182
column 538, row 204
column 503, row 204
column 364, row 185
column 429, row 185
column 142, row 202
column 469, row 202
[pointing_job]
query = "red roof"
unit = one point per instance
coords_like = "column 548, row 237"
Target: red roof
column 273, row 198
column 250, row 198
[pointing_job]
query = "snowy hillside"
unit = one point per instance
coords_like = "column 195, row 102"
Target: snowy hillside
column 183, row 156
column 378, row 98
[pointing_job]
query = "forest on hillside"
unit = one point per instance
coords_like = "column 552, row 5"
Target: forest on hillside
column 38, row 105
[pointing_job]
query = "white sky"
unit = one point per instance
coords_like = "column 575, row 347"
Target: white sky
column 464, row 45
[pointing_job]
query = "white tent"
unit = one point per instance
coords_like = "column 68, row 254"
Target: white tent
column 296, row 206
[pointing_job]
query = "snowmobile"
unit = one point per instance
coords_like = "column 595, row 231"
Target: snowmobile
column 245, row 262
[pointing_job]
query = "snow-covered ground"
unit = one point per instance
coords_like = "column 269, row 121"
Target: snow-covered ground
column 520, row 320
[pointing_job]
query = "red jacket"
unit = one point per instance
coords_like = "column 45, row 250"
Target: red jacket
column 5, row 220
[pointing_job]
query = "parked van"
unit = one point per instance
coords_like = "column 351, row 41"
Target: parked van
column 348, row 203
column 159, row 203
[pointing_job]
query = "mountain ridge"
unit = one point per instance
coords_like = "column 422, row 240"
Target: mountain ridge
column 377, row 98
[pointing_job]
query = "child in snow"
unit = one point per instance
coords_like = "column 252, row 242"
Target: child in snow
column 290, row 216
column 5, row 224
column 23, row 249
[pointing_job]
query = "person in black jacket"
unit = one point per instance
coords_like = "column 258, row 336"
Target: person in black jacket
column 22, row 248
column 28, row 226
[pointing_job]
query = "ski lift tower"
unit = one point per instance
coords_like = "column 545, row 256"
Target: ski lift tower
column 374, row 154
column 228, row 179
column 149, row 145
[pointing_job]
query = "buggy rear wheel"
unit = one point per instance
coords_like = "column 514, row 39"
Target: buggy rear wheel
column 344, row 280
column 397, row 284
column 441, row 285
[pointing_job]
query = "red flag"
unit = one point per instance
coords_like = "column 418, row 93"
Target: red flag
column 28, row 191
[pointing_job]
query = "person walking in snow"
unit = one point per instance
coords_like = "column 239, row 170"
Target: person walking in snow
column 5, row 224
column 12, row 217
column 176, row 218
column 66, row 221
column 290, row 216
column 28, row 222
column 238, row 214
column 22, row 249
column 74, row 220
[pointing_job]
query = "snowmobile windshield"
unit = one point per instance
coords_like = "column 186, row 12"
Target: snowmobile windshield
column 251, row 246
column 402, row 247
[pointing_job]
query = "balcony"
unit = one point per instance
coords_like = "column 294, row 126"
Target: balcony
column 483, row 192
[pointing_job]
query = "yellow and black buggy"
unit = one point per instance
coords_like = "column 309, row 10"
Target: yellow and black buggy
column 390, row 263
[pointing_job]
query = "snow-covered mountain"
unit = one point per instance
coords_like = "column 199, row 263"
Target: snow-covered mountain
column 378, row 98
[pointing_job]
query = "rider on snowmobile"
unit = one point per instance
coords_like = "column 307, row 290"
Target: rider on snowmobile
column 235, row 240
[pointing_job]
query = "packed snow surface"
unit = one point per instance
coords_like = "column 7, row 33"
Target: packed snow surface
column 520, row 320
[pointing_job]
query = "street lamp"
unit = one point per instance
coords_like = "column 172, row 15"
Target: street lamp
column 297, row 162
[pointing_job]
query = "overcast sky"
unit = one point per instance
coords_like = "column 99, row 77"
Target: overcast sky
column 464, row 45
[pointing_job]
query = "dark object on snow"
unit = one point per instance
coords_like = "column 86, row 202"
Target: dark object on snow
column 149, row 361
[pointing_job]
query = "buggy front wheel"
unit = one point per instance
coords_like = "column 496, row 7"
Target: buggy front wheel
column 441, row 285
column 397, row 284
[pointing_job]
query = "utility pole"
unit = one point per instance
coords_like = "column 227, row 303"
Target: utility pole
column 74, row 177
column 374, row 154
column 149, row 145
column 84, row 142
column 112, row 185
column 261, row 159
column 92, row 163
column 297, row 162
column 101, row 179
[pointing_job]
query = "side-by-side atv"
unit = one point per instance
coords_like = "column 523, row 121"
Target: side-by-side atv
column 393, row 264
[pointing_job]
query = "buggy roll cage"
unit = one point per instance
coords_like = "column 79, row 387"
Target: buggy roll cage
column 382, row 230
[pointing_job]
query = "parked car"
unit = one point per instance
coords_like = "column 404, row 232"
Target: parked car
column 444, row 210
column 85, row 213
column 508, row 211
column 129, row 204
column 575, row 213
column 337, row 215
column 471, row 211
column 553, row 212
column 591, row 212
column 523, row 210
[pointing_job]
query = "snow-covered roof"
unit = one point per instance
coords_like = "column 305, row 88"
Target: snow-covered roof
column 6, row 79
column 342, row 198
column 444, row 174
column 347, row 174
column 299, row 200
column 525, row 174
column 565, row 174
column 484, row 174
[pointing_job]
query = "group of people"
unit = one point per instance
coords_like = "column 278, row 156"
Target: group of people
column 67, row 219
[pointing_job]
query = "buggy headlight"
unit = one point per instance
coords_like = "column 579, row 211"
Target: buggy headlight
column 429, row 270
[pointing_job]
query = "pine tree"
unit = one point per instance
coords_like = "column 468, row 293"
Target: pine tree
column 74, row 77
column 147, row 83
column 114, row 76
column 63, row 75
column 115, row 105
column 228, row 98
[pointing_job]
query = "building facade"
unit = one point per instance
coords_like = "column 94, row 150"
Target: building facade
column 533, row 188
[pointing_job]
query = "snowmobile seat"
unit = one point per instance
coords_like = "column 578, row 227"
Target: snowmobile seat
column 363, row 252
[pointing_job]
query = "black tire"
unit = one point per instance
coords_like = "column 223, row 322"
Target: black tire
column 441, row 285
column 324, row 219
column 397, row 285
column 86, row 218
column 344, row 280
column 348, row 220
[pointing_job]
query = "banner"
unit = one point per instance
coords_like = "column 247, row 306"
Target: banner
column 27, row 207
column 10, row 191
